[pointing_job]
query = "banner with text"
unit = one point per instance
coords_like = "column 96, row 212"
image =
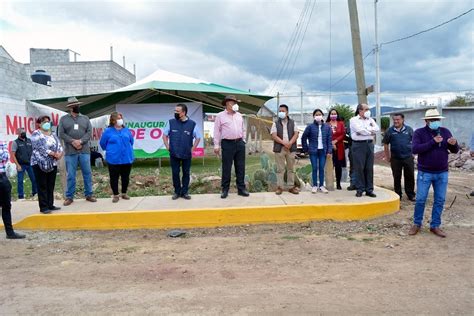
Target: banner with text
column 148, row 121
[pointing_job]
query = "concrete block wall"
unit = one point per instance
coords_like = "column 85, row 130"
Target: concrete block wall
column 48, row 56
column 87, row 77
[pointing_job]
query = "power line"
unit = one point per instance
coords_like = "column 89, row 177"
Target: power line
column 347, row 74
column 289, row 48
column 301, row 43
column 427, row 30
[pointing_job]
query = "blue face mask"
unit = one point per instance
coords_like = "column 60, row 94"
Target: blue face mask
column 46, row 126
column 281, row 115
column 435, row 125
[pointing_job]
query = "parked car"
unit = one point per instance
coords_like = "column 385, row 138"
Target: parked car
column 299, row 146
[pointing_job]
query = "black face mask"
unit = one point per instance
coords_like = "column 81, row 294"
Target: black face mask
column 176, row 116
column 75, row 109
column 23, row 135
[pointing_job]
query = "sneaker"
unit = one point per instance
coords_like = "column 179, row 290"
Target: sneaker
column 323, row 190
column 68, row 202
column 115, row 199
column 314, row 190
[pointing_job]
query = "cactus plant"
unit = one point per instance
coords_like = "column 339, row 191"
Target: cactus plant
column 265, row 161
column 258, row 186
column 260, row 175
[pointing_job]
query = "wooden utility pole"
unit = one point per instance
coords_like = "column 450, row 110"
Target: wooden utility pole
column 357, row 52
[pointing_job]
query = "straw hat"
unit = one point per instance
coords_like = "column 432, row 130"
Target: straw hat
column 432, row 114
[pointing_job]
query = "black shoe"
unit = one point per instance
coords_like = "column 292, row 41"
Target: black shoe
column 351, row 188
column 224, row 194
column 243, row 193
column 371, row 194
column 45, row 211
column 339, row 187
column 54, row 208
column 186, row 196
column 16, row 236
column 175, row 196
column 412, row 198
column 359, row 194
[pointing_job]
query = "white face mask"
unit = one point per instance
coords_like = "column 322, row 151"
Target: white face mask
column 367, row 114
column 282, row 115
column 235, row 107
column 318, row 118
column 119, row 122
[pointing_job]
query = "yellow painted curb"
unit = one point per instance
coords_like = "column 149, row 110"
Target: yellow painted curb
column 211, row 217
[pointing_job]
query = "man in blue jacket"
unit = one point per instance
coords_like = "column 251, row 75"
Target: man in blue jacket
column 178, row 139
column 432, row 143
column 397, row 146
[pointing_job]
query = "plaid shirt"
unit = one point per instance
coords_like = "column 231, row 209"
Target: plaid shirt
column 4, row 156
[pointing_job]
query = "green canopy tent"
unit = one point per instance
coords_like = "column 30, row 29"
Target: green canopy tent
column 163, row 87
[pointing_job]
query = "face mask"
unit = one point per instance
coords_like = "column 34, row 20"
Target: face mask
column 119, row 122
column 318, row 118
column 367, row 114
column 23, row 135
column 281, row 115
column 435, row 125
column 235, row 107
column 333, row 117
column 176, row 116
column 46, row 126
column 75, row 109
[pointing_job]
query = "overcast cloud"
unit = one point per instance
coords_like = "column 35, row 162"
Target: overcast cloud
column 241, row 43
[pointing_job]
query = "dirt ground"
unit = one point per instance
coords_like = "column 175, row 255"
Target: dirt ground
column 369, row 267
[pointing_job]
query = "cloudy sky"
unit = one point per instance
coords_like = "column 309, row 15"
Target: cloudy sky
column 252, row 44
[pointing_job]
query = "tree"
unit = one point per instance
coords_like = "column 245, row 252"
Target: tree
column 459, row 101
column 345, row 111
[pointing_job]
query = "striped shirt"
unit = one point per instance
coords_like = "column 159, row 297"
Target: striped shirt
column 4, row 156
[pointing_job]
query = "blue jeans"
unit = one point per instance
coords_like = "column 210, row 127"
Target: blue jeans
column 440, row 184
column 318, row 162
column 20, row 176
column 84, row 161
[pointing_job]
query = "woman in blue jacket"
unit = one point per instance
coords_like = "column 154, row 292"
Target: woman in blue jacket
column 117, row 141
column 319, row 136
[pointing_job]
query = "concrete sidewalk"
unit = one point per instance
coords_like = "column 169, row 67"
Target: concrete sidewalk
column 205, row 210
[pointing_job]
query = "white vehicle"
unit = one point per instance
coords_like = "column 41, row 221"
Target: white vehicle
column 299, row 146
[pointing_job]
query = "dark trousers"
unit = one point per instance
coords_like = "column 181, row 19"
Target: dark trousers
column 181, row 186
column 351, row 167
column 45, row 182
column 122, row 172
column 338, row 165
column 406, row 165
column 5, row 202
column 233, row 151
column 363, row 158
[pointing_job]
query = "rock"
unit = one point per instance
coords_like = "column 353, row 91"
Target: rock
column 211, row 178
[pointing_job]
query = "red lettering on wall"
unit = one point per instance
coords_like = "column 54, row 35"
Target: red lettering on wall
column 156, row 133
column 140, row 133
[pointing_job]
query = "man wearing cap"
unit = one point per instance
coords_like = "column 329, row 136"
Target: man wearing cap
column 397, row 146
column 229, row 133
column 21, row 156
column 75, row 130
column 363, row 129
column 432, row 143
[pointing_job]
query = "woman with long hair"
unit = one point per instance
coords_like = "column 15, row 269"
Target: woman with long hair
column 316, row 140
column 47, row 150
column 117, row 141
column 338, row 133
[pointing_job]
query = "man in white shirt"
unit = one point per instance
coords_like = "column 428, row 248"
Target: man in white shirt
column 363, row 130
